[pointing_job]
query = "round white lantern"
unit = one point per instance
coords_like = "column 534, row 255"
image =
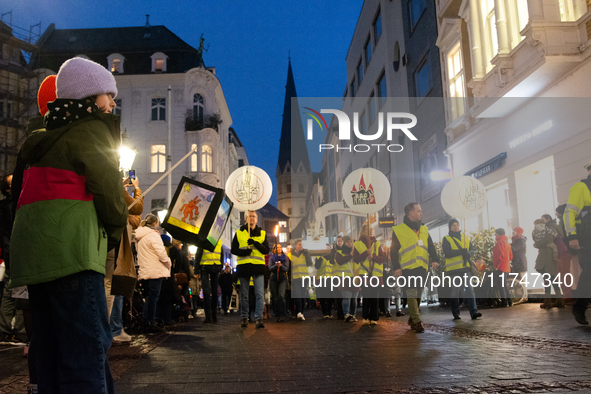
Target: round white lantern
column 249, row 188
column 463, row 197
column 366, row 190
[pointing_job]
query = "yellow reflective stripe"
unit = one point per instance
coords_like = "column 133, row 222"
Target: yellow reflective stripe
column 454, row 266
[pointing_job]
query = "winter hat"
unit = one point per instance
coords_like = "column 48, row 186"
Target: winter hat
column 46, row 93
column 79, row 78
column 451, row 223
column 518, row 230
column 165, row 239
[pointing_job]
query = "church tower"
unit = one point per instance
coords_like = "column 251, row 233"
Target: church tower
column 294, row 174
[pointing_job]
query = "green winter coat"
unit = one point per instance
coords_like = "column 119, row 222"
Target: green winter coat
column 71, row 207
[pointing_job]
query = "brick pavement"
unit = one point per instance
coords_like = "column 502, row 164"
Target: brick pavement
column 519, row 349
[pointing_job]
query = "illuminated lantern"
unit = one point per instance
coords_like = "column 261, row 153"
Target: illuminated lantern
column 366, row 190
column 249, row 188
column 197, row 214
column 463, row 197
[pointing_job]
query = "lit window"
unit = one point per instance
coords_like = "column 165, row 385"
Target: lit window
column 282, row 237
column 491, row 46
column 194, row 161
column 367, row 51
column 158, row 157
column 422, row 79
column 377, row 27
column 115, row 61
column 159, row 62
column 198, row 106
column 282, row 224
column 206, row 159
column 117, row 109
column 415, row 10
column 159, row 108
column 455, row 72
column 382, row 89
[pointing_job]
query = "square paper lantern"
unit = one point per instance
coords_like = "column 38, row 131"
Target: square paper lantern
column 197, row 214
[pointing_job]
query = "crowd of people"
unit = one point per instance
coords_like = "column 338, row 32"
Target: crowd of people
column 74, row 244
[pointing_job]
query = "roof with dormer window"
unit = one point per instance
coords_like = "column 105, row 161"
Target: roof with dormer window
column 136, row 44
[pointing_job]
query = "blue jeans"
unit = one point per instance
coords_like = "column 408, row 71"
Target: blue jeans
column 72, row 334
column 278, row 294
column 116, row 321
column 153, row 293
column 348, row 307
column 259, row 292
column 467, row 295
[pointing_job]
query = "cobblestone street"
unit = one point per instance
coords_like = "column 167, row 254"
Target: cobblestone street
column 519, row 349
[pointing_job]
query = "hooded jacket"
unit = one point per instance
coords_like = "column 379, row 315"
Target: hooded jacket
column 71, row 208
column 502, row 254
column 151, row 255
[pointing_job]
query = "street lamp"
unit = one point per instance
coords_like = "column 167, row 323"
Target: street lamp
column 440, row 175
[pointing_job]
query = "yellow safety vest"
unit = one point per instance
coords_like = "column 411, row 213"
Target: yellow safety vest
column 413, row 247
column 212, row 258
column 299, row 268
column 255, row 257
column 325, row 269
column 579, row 199
column 456, row 263
column 347, row 269
column 378, row 269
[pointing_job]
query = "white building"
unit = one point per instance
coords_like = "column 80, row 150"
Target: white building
column 505, row 65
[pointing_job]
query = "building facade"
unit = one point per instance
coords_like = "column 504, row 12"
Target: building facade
column 512, row 73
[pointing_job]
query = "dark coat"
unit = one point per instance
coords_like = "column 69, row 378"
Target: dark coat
column 519, row 247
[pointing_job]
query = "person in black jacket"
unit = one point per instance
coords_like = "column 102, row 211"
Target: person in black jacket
column 226, row 284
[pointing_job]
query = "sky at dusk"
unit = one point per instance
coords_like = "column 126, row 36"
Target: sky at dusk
column 249, row 44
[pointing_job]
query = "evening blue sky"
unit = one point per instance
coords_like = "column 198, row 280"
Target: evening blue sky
column 249, row 44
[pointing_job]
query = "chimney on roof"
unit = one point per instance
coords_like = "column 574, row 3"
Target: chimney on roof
column 147, row 20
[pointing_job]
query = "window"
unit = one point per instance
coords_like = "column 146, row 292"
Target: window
column 289, row 211
column 194, row 162
column 115, row 61
column 158, row 158
column 423, row 79
column 359, row 71
column 377, row 27
column 415, row 10
column 198, row 106
column 159, row 108
column 159, row 62
column 367, row 51
column 301, row 210
column 372, row 109
column 289, row 187
column 353, row 88
column 117, row 109
column 491, row 44
column 158, row 203
column 282, row 224
column 300, row 187
column 382, row 89
column 282, row 237
column 455, row 73
column 206, row 158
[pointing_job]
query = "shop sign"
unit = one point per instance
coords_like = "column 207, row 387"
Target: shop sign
column 486, row 168
column 387, row 222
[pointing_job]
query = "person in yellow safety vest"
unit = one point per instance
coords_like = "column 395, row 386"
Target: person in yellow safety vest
column 456, row 248
column 250, row 246
column 370, row 256
column 577, row 223
column 410, row 253
column 345, row 267
column 211, row 266
column 300, row 261
column 324, row 267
